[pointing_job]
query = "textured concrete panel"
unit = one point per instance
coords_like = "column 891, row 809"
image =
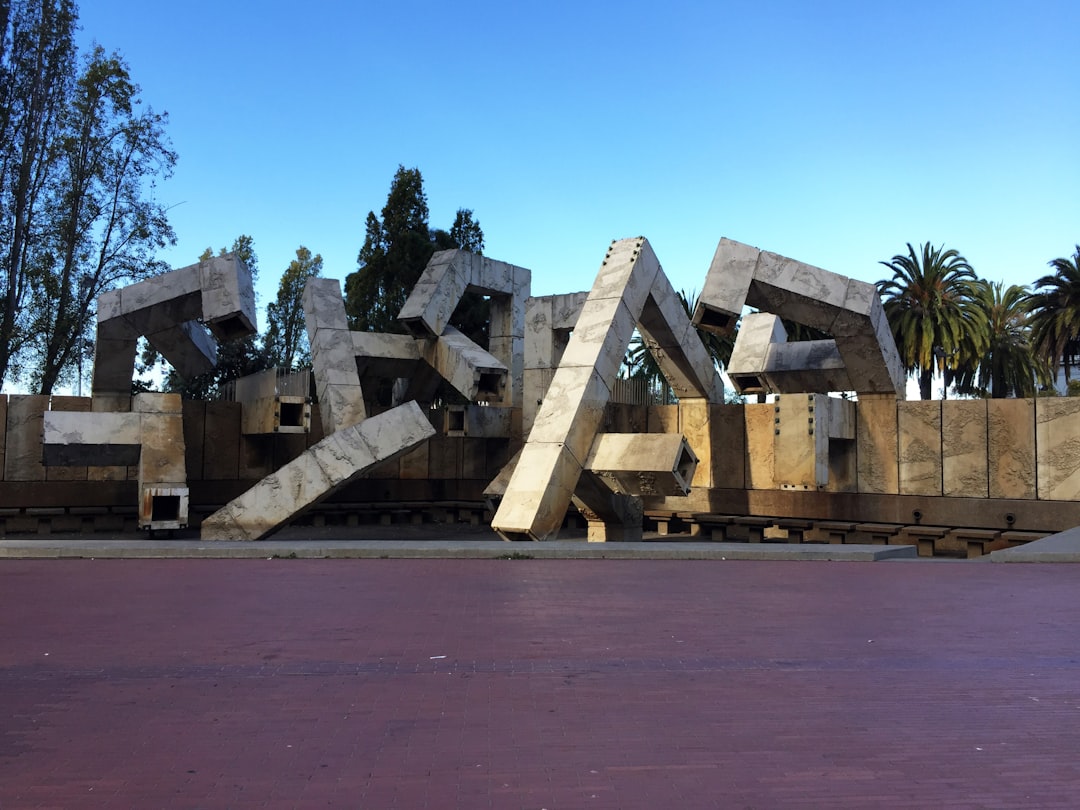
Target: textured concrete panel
column 919, row 437
column 22, row 459
column 662, row 419
column 228, row 297
column 696, row 424
column 878, row 465
column 760, row 421
column 1011, row 448
column 322, row 469
column 324, row 308
column 187, row 346
column 74, row 470
column 1057, row 443
column 627, row 273
column 801, row 292
column 599, row 340
column 728, row 430
column 964, row 449
column 99, row 439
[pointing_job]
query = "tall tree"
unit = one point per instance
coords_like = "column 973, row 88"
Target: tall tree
column 1055, row 314
column 37, row 66
column 1007, row 365
column 286, row 333
column 396, row 249
column 928, row 302
column 103, row 227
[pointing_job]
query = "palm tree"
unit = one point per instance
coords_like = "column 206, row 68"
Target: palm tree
column 1007, row 366
column 1055, row 314
column 928, row 302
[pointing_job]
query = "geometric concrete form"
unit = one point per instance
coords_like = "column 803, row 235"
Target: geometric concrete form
column 919, row 458
column 558, row 445
column 337, row 382
column 151, row 436
column 449, row 274
column 643, row 463
column 170, row 311
column 763, row 362
column 806, row 428
column 848, row 310
column 475, row 373
column 549, row 322
column 1010, row 448
column 266, row 410
column 317, row 473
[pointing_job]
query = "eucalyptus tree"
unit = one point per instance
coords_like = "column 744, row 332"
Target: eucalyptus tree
column 929, row 302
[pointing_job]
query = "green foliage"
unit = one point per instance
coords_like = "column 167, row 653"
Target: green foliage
column 1055, row 314
column 79, row 155
column 286, row 333
column 930, row 307
column 395, row 252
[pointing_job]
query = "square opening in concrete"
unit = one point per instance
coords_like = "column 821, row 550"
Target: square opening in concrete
column 714, row 320
column 748, row 383
column 291, row 414
column 165, row 508
column 490, row 384
column 455, row 420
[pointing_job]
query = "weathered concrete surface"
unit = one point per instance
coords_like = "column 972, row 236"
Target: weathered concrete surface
column 643, row 463
column 964, row 449
column 317, row 473
column 919, row 447
column 1011, row 447
column 1061, row 547
column 1057, row 442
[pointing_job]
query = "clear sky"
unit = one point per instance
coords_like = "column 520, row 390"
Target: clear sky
column 830, row 132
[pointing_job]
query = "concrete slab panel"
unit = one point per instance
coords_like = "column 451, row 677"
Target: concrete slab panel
column 801, row 292
column 758, row 333
column 964, row 466
column 801, row 441
column 221, row 441
column 324, row 307
column 98, row 439
column 876, row 445
column 696, row 424
column 806, row 366
column 1057, row 443
column 228, row 297
column 599, row 341
column 663, row 419
column 1011, row 448
column 760, row 458
column 627, row 272
column 22, row 458
column 728, row 429
column 919, row 438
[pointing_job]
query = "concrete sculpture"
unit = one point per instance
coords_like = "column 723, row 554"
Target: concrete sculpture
column 862, row 356
column 630, row 290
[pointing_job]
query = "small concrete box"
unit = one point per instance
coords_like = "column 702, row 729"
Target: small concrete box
column 163, row 508
column 276, row 414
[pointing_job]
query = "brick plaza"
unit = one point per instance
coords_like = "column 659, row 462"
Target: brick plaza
column 537, row 684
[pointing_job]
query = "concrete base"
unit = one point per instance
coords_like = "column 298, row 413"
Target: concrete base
column 1061, row 547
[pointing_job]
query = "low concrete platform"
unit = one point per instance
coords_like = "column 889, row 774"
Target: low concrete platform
column 445, row 544
column 1063, row 547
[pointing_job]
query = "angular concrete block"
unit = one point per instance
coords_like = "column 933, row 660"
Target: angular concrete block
column 275, row 414
column 1011, row 448
column 228, row 297
column 964, row 449
column 535, row 503
column 643, row 463
column 469, row 369
column 726, row 286
column 758, row 333
column 573, row 411
column 878, row 464
column 1057, row 443
column 919, row 455
column 801, row 292
column 600, row 339
column 806, row 366
column 114, row 365
column 662, row 419
column 436, row 294
column 163, row 508
column 627, row 273
column 380, row 354
column 317, row 473
column 324, row 308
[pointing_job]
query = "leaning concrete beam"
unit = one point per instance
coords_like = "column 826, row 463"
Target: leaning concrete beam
column 333, row 361
column 643, row 463
column 473, row 372
column 317, row 473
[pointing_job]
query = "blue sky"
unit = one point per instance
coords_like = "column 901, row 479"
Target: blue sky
column 830, row 132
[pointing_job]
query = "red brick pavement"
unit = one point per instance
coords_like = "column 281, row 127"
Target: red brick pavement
column 537, row 684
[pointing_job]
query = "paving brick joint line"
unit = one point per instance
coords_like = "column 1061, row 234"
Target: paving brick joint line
column 529, row 684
